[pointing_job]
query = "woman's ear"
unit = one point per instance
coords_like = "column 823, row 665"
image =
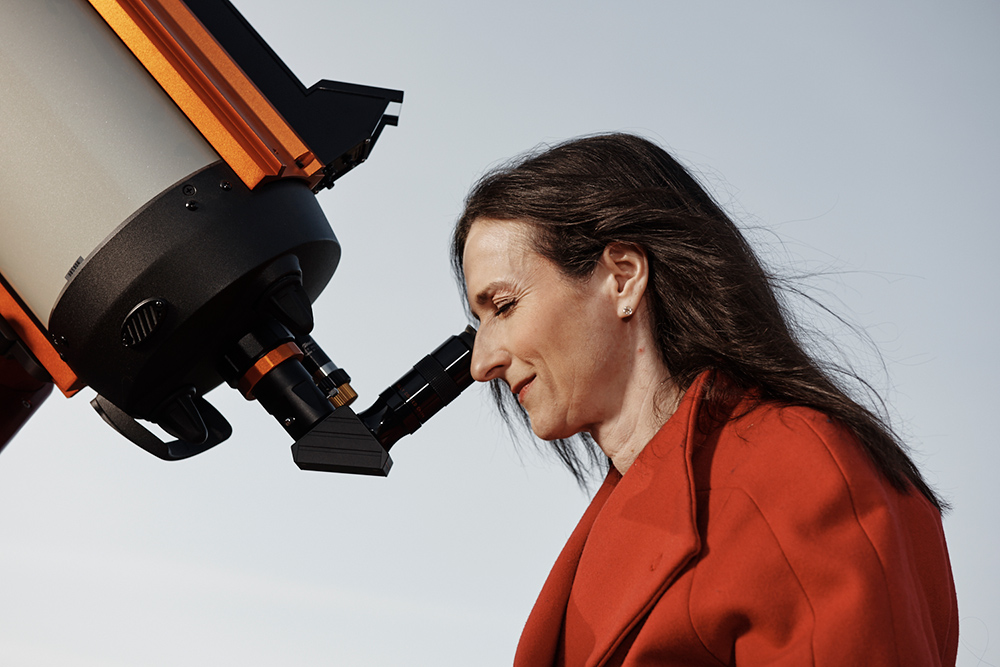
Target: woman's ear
column 628, row 267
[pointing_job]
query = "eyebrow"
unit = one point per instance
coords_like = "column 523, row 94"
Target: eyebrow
column 484, row 294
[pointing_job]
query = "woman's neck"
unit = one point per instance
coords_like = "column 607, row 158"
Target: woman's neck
column 649, row 399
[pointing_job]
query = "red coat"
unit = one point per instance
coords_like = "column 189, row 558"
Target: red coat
column 766, row 540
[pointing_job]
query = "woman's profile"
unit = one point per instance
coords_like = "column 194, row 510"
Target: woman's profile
column 753, row 513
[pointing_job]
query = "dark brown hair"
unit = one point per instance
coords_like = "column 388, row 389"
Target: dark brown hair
column 712, row 303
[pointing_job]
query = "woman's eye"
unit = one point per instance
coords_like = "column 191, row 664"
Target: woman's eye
column 505, row 307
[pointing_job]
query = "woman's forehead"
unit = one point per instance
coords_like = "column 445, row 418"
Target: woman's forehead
column 498, row 253
column 514, row 230
column 496, row 240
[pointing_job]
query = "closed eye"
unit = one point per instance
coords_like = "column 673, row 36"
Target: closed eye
column 505, row 308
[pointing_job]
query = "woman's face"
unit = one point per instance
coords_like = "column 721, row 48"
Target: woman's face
column 557, row 342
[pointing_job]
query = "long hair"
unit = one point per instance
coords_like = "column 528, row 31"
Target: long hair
column 712, row 303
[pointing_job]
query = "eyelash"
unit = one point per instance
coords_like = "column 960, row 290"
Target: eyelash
column 504, row 308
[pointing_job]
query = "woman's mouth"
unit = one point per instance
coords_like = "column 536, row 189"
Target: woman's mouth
column 522, row 390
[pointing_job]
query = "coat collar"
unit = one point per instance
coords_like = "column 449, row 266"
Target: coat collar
column 637, row 534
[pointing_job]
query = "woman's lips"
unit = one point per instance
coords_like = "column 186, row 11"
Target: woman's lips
column 523, row 390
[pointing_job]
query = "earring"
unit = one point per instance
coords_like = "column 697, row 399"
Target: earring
column 626, row 311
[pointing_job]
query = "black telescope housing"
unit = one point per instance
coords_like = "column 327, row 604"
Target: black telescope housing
column 212, row 281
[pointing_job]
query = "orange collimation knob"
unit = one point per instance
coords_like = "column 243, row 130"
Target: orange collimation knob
column 345, row 395
column 265, row 365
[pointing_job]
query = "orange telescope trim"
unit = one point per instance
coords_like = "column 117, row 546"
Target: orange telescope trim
column 35, row 339
column 211, row 89
column 265, row 365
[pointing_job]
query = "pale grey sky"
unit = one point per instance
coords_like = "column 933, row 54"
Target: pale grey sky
column 857, row 139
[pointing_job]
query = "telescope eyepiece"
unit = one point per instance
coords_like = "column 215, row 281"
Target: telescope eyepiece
column 308, row 395
column 434, row 382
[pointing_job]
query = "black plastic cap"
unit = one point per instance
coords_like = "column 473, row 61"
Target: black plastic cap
column 341, row 443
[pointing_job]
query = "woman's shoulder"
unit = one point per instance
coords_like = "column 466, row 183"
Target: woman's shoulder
column 781, row 456
column 800, row 468
column 785, row 490
column 737, row 430
column 791, row 439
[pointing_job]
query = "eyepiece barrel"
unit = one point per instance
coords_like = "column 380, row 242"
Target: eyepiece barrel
column 267, row 365
column 434, row 382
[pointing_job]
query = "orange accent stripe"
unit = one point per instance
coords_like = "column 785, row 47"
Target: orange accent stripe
column 265, row 365
column 36, row 339
column 237, row 87
column 211, row 89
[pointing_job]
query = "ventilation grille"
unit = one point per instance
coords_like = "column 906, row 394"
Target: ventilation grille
column 142, row 321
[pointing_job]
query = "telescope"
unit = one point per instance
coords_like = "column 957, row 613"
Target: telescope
column 160, row 235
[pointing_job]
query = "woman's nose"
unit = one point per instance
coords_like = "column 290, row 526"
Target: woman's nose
column 489, row 359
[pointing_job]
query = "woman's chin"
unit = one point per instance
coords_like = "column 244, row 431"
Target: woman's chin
column 550, row 431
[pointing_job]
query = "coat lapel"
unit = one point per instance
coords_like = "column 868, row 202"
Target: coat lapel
column 635, row 537
column 641, row 539
column 539, row 643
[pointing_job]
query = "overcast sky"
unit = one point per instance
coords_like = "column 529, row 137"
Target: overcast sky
column 857, row 140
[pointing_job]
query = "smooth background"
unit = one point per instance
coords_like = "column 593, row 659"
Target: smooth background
column 858, row 140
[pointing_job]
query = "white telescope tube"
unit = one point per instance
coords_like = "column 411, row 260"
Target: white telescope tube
column 87, row 137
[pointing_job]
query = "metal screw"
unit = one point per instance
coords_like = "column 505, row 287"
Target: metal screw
column 289, row 421
column 61, row 344
column 189, row 190
column 191, row 205
column 226, row 185
column 26, row 404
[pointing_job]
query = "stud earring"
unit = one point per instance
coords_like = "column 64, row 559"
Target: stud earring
column 626, row 311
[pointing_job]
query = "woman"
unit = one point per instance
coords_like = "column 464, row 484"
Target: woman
column 753, row 513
